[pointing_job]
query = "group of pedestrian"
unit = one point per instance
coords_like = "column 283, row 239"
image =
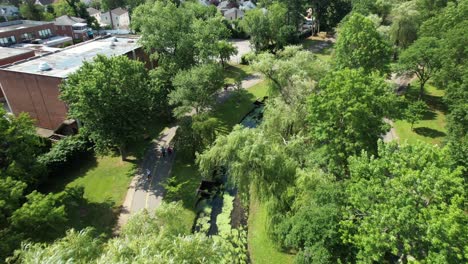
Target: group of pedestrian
column 167, row 150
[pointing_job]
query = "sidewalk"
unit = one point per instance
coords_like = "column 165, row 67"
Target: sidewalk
column 143, row 193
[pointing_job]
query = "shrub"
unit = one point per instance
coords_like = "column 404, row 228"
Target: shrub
column 64, row 152
column 247, row 58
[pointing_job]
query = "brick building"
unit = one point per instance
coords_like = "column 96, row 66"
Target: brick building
column 74, row 27
column 24, row 31
column 31, row 86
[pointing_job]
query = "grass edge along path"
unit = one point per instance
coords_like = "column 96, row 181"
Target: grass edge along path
column 262, row 250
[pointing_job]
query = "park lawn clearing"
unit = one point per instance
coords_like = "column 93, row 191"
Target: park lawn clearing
column 261, row 248
column 229, row 114
column 236, row 72
column 432, row 129
column 107, row 182
column 321, row 48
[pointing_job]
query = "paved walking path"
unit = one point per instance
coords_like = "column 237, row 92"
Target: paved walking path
column 391, row 135
column 143, row 193
column 248, row 82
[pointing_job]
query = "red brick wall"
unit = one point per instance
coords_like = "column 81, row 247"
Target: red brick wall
column 36, row 95
column 64, row 31
column 35, row 30
column 68, row 31
column 19, row 57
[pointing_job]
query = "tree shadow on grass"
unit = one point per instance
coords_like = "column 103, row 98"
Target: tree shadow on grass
column 429, row 115
column 429, row 132
column 233, row 110
column 58, row 181
column 82, row 213
column 232, row 73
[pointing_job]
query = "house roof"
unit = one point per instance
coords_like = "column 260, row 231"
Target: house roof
column 236, row 11
column 223, row 5
column 119, row 11
column 45, row 2
column 92, row 11
column 68, row 20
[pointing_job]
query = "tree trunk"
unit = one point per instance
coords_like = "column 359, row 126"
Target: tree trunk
column 421, row 89
column 123, row 152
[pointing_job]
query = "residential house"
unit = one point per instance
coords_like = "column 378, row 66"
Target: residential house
column 8, row 11
column 233, row 14
column 247, row 5
column 117, row 18
column 74, row 27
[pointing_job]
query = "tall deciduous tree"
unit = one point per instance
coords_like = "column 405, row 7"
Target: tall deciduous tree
column 268, row 28
column 415, row 112
column 195, row 88
column 180, row 36
column 292, row 73
column 41, row 218
column 407, row 204
column 359, row 45
column 20, row 147
column 405, row 24
column 422, row 59
column 346, row 115
column 112, row 98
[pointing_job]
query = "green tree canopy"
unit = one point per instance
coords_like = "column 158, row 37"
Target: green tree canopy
column 407, row 204
column 20, row 147
column 112, row 98
column 196, row 88
column 292, row 73
column 359, row 45
column 422, row 59
column 346, row 114
column 179, row 36
column 268, row 28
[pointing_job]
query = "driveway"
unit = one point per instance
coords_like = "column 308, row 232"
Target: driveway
column 243, row 47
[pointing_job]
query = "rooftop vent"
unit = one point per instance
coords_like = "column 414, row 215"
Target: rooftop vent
column 112, row 44
column 44, row 66
column 114, row 39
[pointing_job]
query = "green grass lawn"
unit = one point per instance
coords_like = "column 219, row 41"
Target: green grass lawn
column 432, row 128
column 105, row 181
column 236, row 72
column 321, row 48
column 261, row 248
column 229, row 114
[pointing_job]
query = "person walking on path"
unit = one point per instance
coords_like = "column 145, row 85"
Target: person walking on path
column 169, row 151
column 163, row 151
column 148, row 174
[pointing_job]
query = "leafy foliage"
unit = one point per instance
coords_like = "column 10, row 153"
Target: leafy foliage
column 195, row 88
column 345, row 115
column 420, row 59
column 359, row 45
column 111, row 96
column 407, row 204
column 64, row 152
column 415, row 112
column 267, row 29
column 180, row 36
column 20, row 147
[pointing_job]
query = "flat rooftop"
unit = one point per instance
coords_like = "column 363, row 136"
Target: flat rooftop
column 70, row 59
column 9, row 52
column 19, row 24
